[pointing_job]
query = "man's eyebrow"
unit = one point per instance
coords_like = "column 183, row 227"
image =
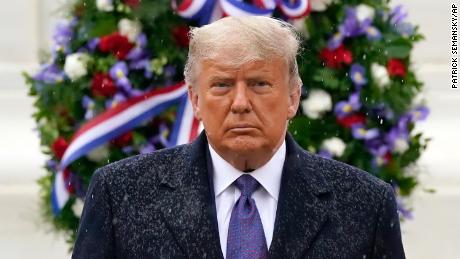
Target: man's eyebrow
column 258, row 77
column 229, row 78
column 216, row 78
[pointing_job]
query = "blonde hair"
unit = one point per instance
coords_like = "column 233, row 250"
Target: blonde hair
column 253, row 37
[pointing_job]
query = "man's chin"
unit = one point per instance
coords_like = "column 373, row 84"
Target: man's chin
column 242, row 144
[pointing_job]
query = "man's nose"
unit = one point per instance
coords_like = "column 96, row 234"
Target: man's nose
column 241, row 102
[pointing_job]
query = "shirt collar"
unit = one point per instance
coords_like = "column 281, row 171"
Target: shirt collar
column 268, row 175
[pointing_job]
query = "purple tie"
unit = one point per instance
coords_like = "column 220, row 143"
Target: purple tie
column 246, row 238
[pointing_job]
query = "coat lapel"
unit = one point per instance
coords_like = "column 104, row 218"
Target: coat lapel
column 188, row 206
column 302, row 205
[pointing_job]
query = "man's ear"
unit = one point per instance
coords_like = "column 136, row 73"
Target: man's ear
column 193, row 97
column 294, row 99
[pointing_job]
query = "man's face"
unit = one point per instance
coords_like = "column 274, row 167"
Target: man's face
column 245, row 110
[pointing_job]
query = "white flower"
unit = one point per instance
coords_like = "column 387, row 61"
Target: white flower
column 380, row 75
column 130, row 29
column 77, row 207
column 104, row 5
column 334, row 145
column 75, row 65
column 99, row 153
column 317, row 103
column 401, row 145
column 320, row 5
column 364, row 12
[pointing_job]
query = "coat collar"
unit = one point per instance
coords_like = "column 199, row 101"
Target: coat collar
column 187, row 204
column 303, row 204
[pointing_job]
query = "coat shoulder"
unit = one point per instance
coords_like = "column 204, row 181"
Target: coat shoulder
column 359, row 197
column 343, row 177
column 144, row 167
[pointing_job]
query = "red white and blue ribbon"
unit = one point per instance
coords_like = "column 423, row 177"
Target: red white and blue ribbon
column 118, row 120
column 186, row 127
column 296, row 9
column 208, row 11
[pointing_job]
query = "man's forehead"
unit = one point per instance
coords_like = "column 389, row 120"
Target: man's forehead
column 220, row 65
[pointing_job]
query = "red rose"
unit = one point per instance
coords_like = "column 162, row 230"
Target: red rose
column 336, row 58
column 59, row 146
column 180, row 35
column 132, row 3
column 396, row 67
column 103, row 85
column 116, row 44
column 123, row 140
column 350, row 120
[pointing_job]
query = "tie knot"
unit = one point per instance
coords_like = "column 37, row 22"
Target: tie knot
column 247, row 184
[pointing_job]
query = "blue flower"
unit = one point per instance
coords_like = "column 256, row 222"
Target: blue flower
column 360, row 132
column 352, row 27
column 335, row 41
column 398, row 140
column 49, row 74
column 398, row 15
column 381, row 155
column 419, row 113
column 344, row 108
column 92, row 44
column 405, row 29
column 407, row 213
column 89, row 106
column 62, row 35
column 373, row 33
column 357, row 75
column 119, row 73
column 139, row 51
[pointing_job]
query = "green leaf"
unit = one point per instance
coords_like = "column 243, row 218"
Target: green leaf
column 103, row 27
column 406, row 184
column 398, row 50
column 327, row 77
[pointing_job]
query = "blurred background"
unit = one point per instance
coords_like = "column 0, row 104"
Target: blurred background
column 25, row 29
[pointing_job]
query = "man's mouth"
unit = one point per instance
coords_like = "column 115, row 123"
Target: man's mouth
column 242, row 128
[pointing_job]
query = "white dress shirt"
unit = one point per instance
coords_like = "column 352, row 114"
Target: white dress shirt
column 266, row 197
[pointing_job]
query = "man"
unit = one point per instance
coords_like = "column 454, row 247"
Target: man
column 243, row 188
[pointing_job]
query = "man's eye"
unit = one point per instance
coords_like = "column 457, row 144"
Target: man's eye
column 220, row 85
column 261, row 83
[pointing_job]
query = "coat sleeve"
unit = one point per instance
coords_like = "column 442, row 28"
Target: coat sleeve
column 388, row 243
column 95, row 234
